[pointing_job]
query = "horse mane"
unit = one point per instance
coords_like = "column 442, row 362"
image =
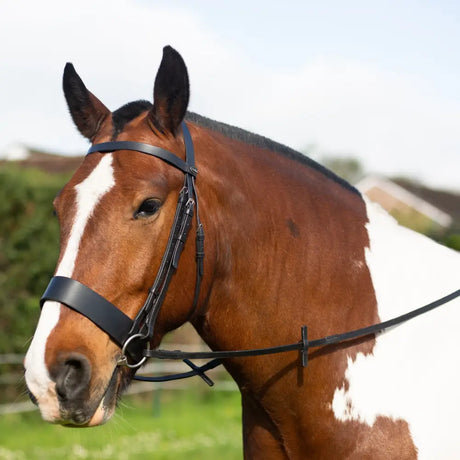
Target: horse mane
column 131, row 110
column 257, row 140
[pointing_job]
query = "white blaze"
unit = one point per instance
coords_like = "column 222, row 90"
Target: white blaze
column 88, row 194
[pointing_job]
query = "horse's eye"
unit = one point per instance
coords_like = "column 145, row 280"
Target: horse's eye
column 148, row 208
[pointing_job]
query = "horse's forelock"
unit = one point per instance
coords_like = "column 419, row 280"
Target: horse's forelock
column 126, row 113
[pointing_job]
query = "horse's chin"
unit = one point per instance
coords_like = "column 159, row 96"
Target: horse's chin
column 102, row 415
column 107, row 404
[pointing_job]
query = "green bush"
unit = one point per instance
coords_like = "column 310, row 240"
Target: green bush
column 29, row 245
column 452, row 241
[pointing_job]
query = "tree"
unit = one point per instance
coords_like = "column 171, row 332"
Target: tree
column 346, row 166
column 349, row 168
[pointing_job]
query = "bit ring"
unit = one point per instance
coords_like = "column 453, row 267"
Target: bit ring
column 123, row 359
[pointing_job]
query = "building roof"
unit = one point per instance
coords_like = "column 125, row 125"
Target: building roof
column 440, row 206
column 446, row 201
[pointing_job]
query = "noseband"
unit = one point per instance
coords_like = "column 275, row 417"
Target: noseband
column 133, row 335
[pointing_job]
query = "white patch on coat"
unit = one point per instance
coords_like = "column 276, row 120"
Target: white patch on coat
column 413, row 373
column 88, row 194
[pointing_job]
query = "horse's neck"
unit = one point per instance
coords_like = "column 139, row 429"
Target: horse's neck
column 285, row 241
column 282, row 238
column 288, row 247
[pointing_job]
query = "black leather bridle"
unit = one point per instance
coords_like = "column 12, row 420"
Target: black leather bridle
column 133, row 336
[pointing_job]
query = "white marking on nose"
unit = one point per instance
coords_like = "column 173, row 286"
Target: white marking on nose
column 88, row 194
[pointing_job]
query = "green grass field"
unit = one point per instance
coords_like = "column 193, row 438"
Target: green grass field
column 169, row 425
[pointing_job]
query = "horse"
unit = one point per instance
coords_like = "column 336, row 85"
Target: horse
column 288, row 243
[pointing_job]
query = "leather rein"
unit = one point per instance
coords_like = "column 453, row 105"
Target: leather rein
column 134, row 336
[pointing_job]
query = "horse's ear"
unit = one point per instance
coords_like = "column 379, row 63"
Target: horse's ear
column 171, row 92
column 87, row 110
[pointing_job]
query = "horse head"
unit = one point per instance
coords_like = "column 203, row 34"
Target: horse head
column 114, row 214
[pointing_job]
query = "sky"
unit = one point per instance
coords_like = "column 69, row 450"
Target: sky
column 376, row 80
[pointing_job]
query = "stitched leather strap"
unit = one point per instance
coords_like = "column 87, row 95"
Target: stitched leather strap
column 304, row 344
column 157, row 152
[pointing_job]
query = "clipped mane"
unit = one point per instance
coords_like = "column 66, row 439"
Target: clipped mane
column 247, row 137
column 129, row 111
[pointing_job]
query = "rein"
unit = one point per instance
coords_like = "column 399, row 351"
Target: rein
column 303, row 346
column 133, row 336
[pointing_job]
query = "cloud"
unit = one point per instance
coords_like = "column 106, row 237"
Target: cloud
column 394, row 122
column 116, row 51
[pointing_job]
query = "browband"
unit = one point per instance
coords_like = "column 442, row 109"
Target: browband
column 157, row 152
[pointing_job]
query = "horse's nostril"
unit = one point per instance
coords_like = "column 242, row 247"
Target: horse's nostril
column 73, row 377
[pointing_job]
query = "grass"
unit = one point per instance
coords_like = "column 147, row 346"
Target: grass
column 183, row 425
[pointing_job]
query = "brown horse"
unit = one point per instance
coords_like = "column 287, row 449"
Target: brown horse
column 287, row 244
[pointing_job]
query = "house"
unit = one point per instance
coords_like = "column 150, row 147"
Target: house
column 433, row 212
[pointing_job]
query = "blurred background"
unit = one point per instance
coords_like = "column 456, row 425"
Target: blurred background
column 369, row 89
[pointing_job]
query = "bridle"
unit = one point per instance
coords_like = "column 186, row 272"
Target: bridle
column 134, row 336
